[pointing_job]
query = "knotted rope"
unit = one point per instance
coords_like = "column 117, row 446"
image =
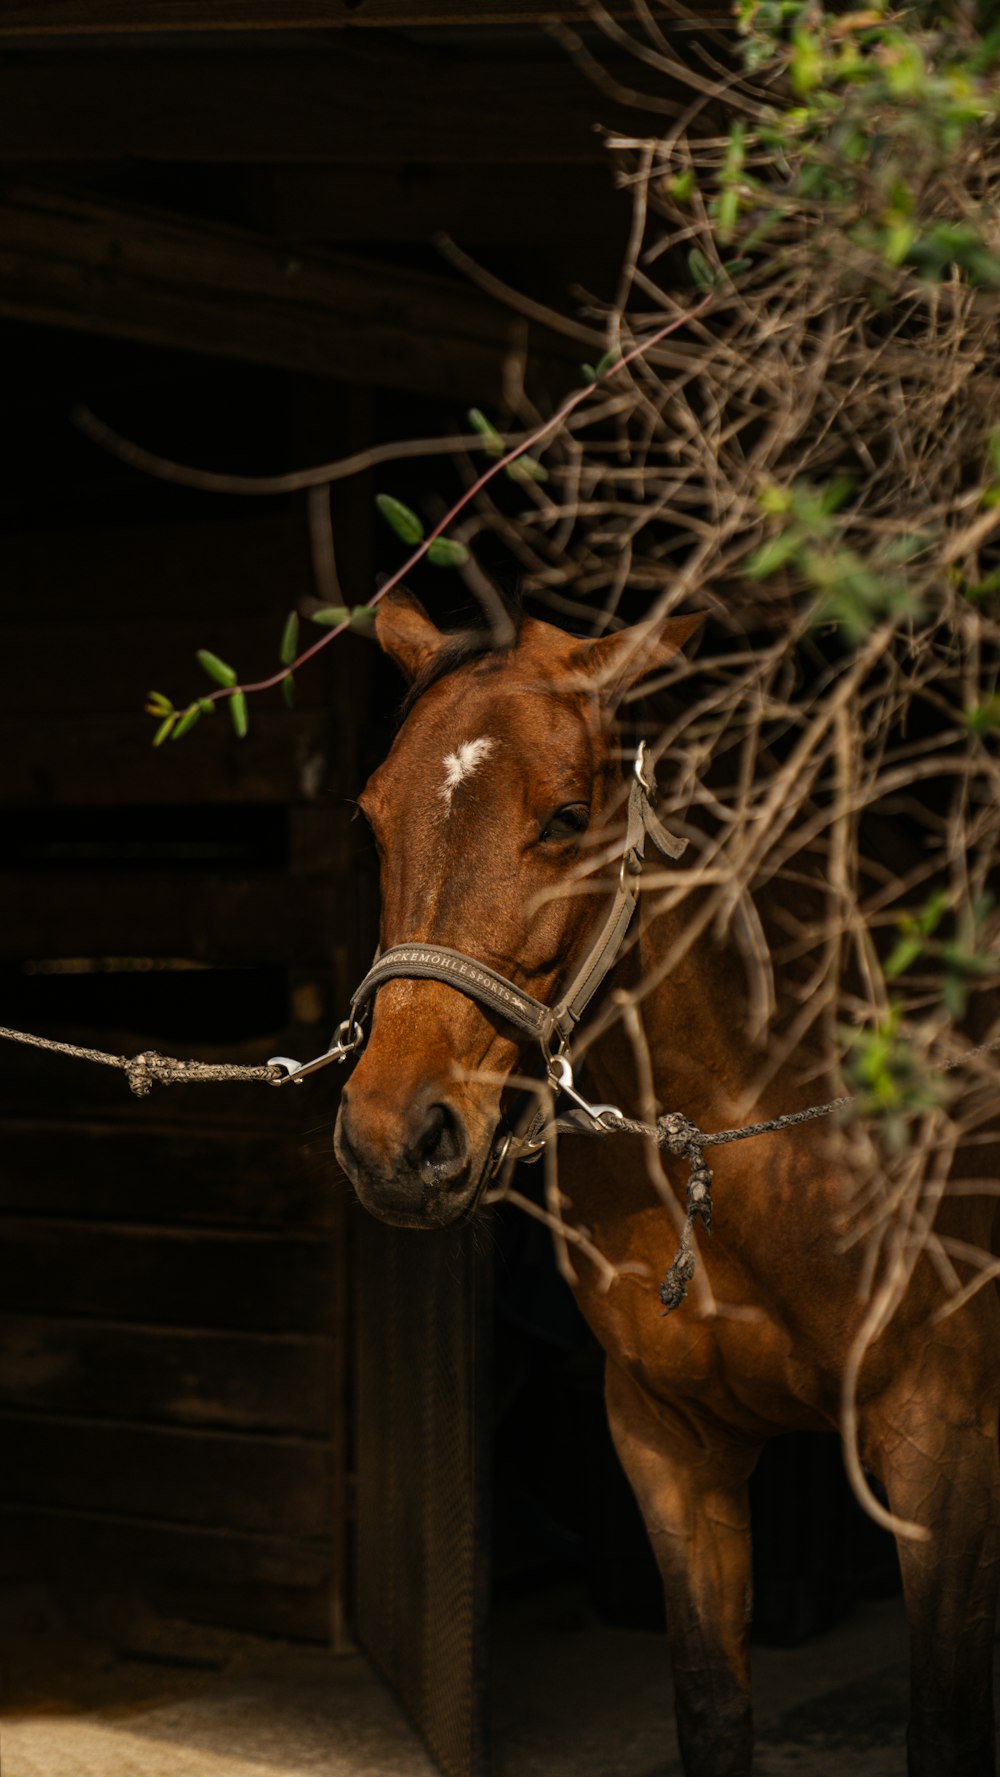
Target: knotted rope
column 148, row 1069
column 685, row 1141
column 672, row 1132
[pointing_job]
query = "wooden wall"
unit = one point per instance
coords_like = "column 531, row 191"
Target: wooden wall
column 172, row 1337
column 221, row 242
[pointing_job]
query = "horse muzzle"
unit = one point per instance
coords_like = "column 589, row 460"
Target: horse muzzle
column 416, row 1165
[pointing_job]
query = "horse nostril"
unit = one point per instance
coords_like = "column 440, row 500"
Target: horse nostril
column 440, row 1147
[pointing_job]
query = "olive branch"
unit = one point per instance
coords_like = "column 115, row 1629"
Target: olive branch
column 440, row 550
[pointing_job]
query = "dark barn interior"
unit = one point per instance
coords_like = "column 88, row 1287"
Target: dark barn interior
column 219, row 242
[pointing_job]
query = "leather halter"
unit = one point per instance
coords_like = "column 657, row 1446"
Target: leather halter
column 550, row 1026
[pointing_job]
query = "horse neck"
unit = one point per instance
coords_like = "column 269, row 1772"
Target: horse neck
column 693, row 1020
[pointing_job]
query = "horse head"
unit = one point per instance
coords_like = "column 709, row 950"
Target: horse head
column 494, row 816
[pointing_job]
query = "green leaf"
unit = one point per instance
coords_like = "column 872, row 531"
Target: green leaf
column 363, row 620
column 955, row 995
column 206, row 706
column 906, row 952
column 445, row 552
column 608, row 362
column 970, row 962
column 405, row 523
column 775, row 500
column 701, row 271
column 187, row 720
column 289, row 639
column 933, row 912
column 807, row 62
column 491, row 438
column 727, row 213
column 288, row 691
column 897, row 241
column 772, row 555
column 163, row 730
column 216, row 668
column 330, row 616
column 157, row 704
column 527, row 469
column 835, row 493
column 238, row 711
column 681, row 186
column 589, row 373
column 983, row 717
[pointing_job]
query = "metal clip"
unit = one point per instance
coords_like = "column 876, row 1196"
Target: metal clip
column 561, row 1078
column 348, row 1037
column 639, row 767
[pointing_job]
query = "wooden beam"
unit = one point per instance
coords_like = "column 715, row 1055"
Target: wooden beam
column 67, row 1165
column 574, row 206
column 236, row 1381
column 137, row 274
column 31, row 18
column 360, row 103
column 288, row 756
column 260, row 917
column 166, row 1277
column 182, row 1475
column 268, row 1585
column 247, row 566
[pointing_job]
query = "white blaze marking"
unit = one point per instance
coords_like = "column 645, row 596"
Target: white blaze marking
column 461, row 764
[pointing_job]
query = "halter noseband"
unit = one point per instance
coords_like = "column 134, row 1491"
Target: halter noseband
column 550, row 1026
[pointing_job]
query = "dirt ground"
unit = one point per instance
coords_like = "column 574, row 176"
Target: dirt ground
column 572, row 1696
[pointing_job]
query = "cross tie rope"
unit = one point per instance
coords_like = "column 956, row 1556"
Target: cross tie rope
column 149, row 1069
column 673, row 1133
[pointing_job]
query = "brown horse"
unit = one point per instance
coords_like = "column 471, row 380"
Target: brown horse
column 504, row 761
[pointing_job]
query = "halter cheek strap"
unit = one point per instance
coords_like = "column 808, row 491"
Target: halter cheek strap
column 552, row 1027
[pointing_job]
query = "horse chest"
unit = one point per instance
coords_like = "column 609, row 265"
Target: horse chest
column 747, row 1361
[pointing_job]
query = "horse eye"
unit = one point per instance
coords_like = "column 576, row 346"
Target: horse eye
column 567, row 822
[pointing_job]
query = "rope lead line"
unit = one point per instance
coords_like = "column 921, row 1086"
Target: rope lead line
column 148, row 1069
column 676, row 1134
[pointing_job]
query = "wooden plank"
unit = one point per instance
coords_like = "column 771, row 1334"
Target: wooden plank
column 90, row 668
column 30, row 18
column 45, row 1090
column 244, row 565
column 184, row 1178
column 194, row 1380
column 415, row 201
column 357, row 104
column 275, row 1486
column 267, row 1585
column 166, row 1278
column 249, row 918
column 287, row 757
column 137, row 274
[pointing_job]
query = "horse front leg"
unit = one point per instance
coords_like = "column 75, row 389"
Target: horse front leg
column 692, row 1492
column 933, row 1442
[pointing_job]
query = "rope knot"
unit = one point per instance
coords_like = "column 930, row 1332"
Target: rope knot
column 685, row 1141
column 141, row 1071
column 680, row 1137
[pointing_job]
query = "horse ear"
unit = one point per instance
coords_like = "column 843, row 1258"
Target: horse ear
column 619, row 661
column 406, row 633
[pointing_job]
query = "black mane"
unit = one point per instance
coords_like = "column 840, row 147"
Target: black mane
column 465, row 645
